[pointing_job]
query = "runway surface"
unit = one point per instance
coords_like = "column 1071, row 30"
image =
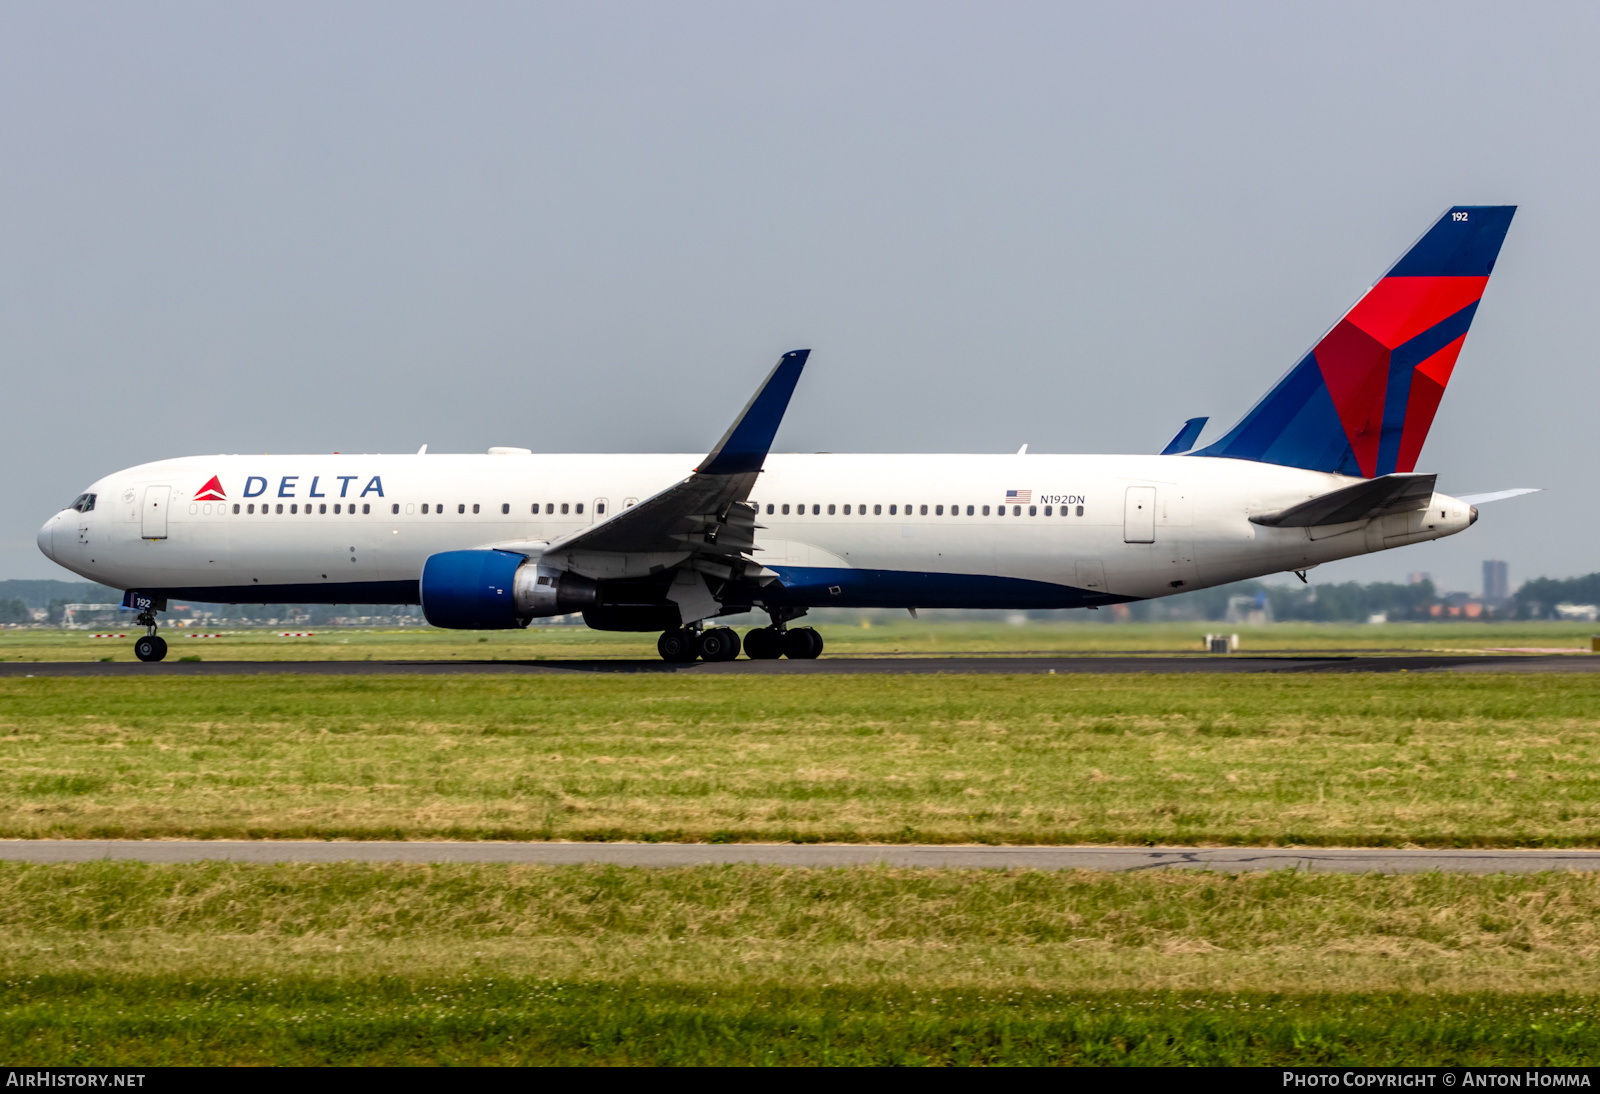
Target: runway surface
column 834, row 666
column 1113, row 859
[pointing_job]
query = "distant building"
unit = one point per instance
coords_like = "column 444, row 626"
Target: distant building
column 1254, row 610
column 1496, row 581
column 1417, row 577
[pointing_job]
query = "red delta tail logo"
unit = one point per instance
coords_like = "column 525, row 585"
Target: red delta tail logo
column 211, row 491
column 1361, row 402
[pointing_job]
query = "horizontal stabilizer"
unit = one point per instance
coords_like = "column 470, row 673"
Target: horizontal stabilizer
column 1499, row 495
column 1186, row 437
column 1399, row 493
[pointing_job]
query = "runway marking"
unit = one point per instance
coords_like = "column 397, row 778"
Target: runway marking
column 1110, row 859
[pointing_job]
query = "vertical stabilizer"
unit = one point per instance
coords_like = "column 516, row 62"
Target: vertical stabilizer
column 1360, row 403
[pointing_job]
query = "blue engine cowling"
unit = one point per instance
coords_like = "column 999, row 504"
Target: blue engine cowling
column 472, row 590
column 498, row 590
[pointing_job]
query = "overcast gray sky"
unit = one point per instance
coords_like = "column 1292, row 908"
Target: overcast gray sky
column 593, row 226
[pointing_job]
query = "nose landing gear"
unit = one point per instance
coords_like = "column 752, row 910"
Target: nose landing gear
column 152, row 647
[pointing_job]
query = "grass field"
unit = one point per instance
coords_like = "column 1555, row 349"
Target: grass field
column 1361, row 760
column 885, row 636
column 121, row 963
column 130, row 964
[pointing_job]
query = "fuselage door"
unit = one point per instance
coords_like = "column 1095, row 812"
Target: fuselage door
column 1139, row 515
column 157, row 499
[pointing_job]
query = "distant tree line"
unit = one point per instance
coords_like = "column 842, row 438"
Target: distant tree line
column 1342, row 602
column 1537, row 599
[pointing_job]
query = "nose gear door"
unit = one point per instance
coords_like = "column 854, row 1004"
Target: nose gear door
column 156, row 501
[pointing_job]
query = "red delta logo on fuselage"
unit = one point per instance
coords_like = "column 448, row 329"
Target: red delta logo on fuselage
column 289, row 486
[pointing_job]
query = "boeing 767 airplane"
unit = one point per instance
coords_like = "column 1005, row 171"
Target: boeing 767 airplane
column 1321, row 468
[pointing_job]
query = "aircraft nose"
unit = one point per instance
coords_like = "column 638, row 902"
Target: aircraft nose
column 47, row 538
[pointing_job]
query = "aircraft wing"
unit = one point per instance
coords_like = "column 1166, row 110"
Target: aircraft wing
column 705, row 515
column 1399, row 493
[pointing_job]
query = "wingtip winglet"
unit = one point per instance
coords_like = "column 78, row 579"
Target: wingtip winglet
column 1186, row 437
column 745, row 445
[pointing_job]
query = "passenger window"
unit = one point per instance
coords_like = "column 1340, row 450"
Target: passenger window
column 535, row 508
column 335, row 508
column 550, row 508
column 847, row 510
column 424, row 508
column 769, row 508
column 1033, row 510
column 366, row 508
column 460, row 508
column 924, row 511
column 938, row 510
column 785, row 509
column 563, row 508
column 505, row 508
column 251, row 509
column 1080, row 510
column 999, row 510
column 578, row 508
column 1047, row 511
column 236, row 510
column 474, row 508
column 830, row 511
column 877, row 510
column 1016, row 510
column 395, row 509
column 969, row 510
column 892, row 509
column 293, row 509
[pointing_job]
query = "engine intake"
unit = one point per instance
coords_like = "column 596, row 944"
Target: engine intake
column 498, row 590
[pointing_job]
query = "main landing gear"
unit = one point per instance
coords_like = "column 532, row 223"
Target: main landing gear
column 685, row 644
column 795, row 643
column 152, row 647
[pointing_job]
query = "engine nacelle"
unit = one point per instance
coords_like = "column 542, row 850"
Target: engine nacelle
column 498, row 590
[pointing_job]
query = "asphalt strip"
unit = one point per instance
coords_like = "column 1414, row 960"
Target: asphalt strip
column 1231, row 860
column 835, row 666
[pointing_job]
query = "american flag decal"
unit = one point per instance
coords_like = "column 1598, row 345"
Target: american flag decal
column 1022, row 497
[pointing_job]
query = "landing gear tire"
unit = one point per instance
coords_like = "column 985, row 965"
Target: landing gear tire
column 719, row 644
column 763, row 644
column 677, row 646
column 150, row 648
column 801, row 644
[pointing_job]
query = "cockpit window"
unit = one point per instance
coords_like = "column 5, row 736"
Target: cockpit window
column 83, row 503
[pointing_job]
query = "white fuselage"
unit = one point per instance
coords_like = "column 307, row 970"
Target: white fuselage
column 359, row 528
